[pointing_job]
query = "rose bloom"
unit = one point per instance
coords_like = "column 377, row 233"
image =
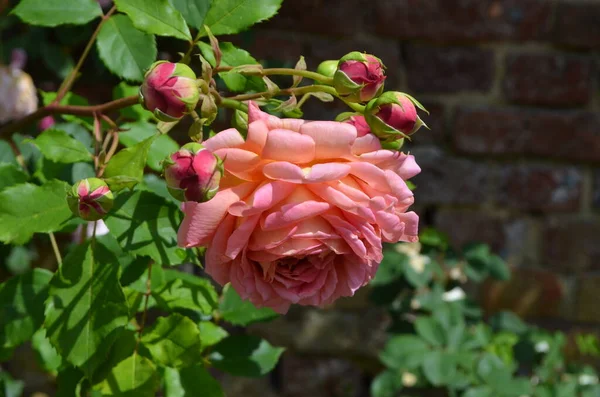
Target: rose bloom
column 302, row 210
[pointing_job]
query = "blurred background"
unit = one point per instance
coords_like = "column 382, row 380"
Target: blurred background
column 512, row 158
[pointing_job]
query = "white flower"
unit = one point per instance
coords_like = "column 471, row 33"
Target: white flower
column 455, row 294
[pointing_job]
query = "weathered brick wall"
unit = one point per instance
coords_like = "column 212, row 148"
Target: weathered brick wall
column 513, row 157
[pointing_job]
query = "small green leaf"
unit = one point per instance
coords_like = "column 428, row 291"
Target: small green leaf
column 386, row 384
column 87, row 307
column 6, row 154
column 22, row 306
column 194, row 11
column 20, row 258
column 233, row 16
column 26, row 209
column 162, row 146
column 46, row 354
column 391, row 268
column 11, row 175
column 58, row 146
column 10, row 387
column 240, row 312
column 439, row 367
column 130, row 161
column 245, row 355
column 155, row 17
column 174, row 341
column 211, row 333
column 479, row 391
column 195, row 294
column 233, row 56
column 135, row 376
column 57, row 12
column 191, row 382
column 125, row 51
column 430, row 330
column 404, row 351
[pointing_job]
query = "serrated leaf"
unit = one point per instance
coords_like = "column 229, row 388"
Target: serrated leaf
column 11, row 175
column 211, row 333
column 191, row 382
column 197, row 295
column 155, row 17
column 145, row 225
column 130, row 161
column 125, row 51
column 134, row 376
column 194, row 11
column 162, row 146
column 26, row 209
column 245, row 355
column 46, row 354
column 22, row 306
column 86, row 308
column 233, row 56
column 233, row 16
column 174, row 341
column 386, row 384
column 6, row 154
column 239, row 312
column 57, row 12
column 58, row 146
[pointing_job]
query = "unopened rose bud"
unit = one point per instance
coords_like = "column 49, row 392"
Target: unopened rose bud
column 45, row 123
column 193, row 173
column 90, row 199
column 169, row 90
column 327, row 68
column 393, row 116
column 359, row 77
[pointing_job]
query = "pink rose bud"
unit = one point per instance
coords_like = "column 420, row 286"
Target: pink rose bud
column 90, row 199
column 169, row 90
column 359, row 122
column 393, row 116
column 45, row 123
column 193, row 173
column 359, row 77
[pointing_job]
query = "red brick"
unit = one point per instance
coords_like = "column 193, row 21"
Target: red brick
column 453, row 20
column 331, row 17
column 576, row 24
column 437, row 126
column 538, row 187
column 445, row 179
column 568, row 135
column 571, row 245
column 431, row 69
column 268, row 45
column 548, row 79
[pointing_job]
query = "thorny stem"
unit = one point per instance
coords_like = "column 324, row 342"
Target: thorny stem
column 68, row 82
column 55, row 249
column 146, row 299
column 282, row 71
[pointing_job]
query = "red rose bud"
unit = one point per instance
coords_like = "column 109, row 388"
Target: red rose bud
column 169, row 90
column 393, row 116
column 45, row 123
column 193, row 173
column 359, row 77
column 90, row 199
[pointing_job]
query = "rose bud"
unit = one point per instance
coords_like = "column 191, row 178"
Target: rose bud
column 327, row 68
column 45, row 123
column 169, row 90
column 193, row 173
column 90, row 199
column 393, row 116
column 359, row 77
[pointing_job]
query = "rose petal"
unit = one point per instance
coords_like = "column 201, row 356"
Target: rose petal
column 333, row 140
column 224, row 139
column 289, row 146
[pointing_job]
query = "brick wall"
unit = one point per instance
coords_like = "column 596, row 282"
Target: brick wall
column 513, row 157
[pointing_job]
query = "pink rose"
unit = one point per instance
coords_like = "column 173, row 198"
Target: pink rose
column 302, row 210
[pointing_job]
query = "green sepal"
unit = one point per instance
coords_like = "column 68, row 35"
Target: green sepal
column 346, row 116
column 161, row 116
column 328, row 68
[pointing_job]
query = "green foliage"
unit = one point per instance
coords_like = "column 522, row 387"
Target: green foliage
column 126, row 51
column 130, row 162
column 11, row 175
column 161, row 147
column 190, row 382
column 244, row 355
column 194, row 11
column 239, row 312
column 134, row 376
column 58, row 146
column 155, row 17
column 233, row 56
column 57, row 12
column 234, row 16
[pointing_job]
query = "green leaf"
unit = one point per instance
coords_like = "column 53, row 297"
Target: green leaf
column 135, row 112
column 162, row 146
column 391, row 268
column 233, row 56
column 6, row 154
column 57, row 59
column 480, row 391
column 69, row 382
column 404, row 351
column 194, row 11
column 87, row 307
column 197, row 295
column 211, row 333
column 174, row 341
column 130, row 161
column 26, row 209
column 57, row 12
column 191, row 382
column 46, row 354
column 57, row 145
column 145, row 225
column 158, row 186
column 20, row 258
column 125, row 51
column 22, row 306
column 245, row 355
column 386, row 384
column 10, row 387
column 156, row 17
column 439, row 367
column 233, row 16
column 11, row 175
column 240, row 312
column 430, row 330
column 135, row 376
